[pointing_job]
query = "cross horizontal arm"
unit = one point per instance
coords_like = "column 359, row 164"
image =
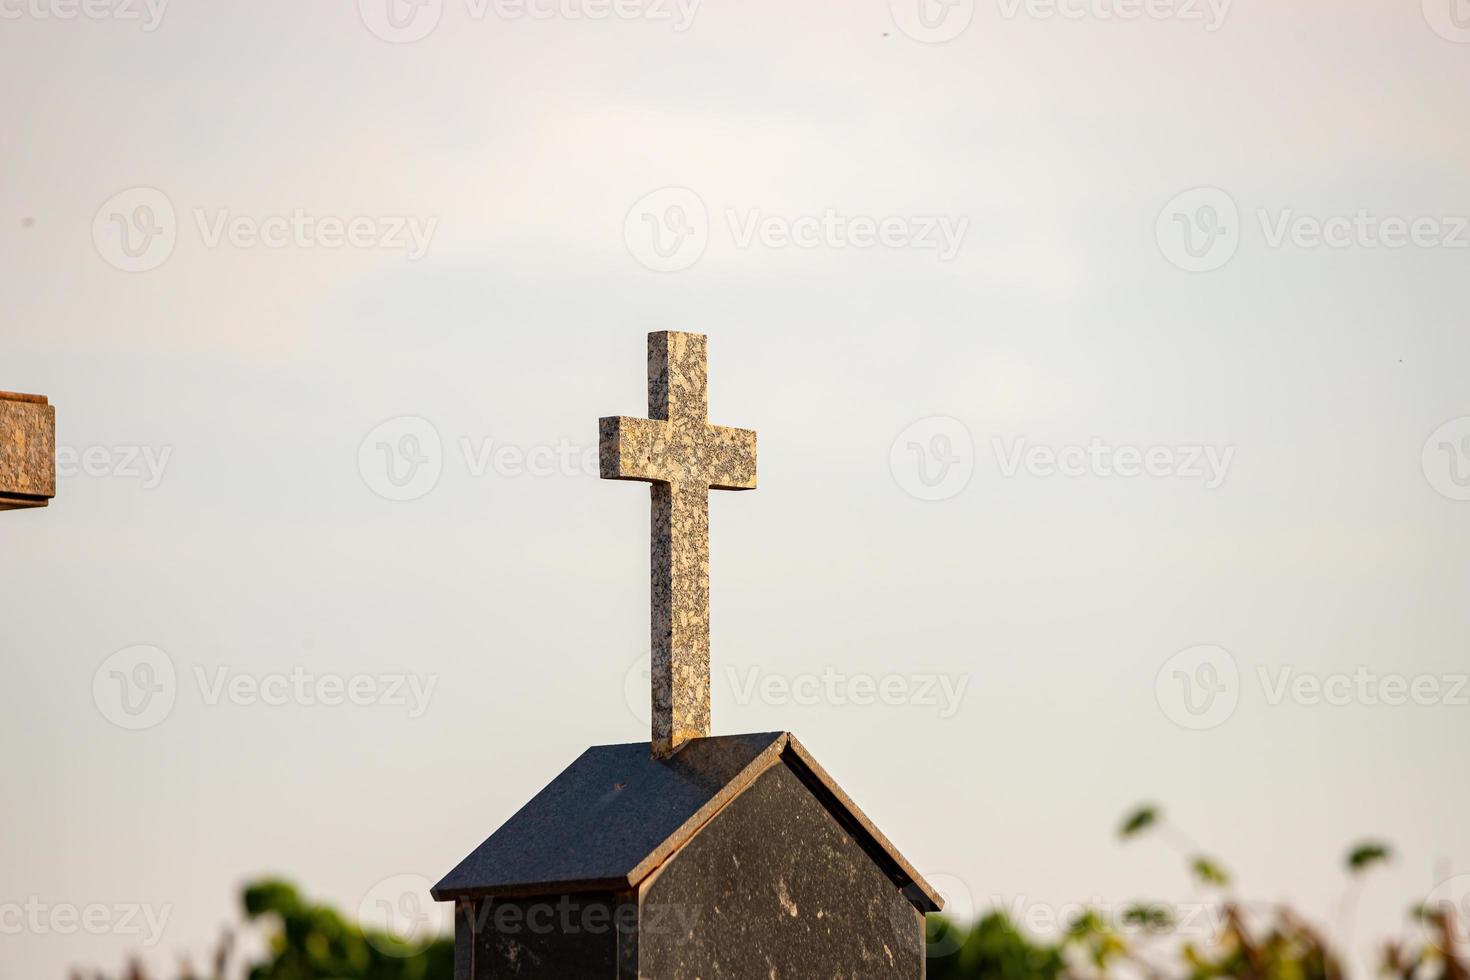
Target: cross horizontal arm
column 635, row 449
column 657, row 451
column 729, row 458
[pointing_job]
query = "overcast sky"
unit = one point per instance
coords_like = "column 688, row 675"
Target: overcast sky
column 1108, row 362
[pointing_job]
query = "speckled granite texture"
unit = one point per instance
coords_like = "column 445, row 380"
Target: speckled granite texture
column 27, row 451
column 775, row 887
column 684, row 457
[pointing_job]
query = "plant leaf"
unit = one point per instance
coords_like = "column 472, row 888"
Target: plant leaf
column 1364, row 856
column 1209, row 872
column 1138, row 821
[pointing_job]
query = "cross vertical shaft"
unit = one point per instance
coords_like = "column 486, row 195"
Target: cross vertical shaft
column 682, row 456
column 679, row 626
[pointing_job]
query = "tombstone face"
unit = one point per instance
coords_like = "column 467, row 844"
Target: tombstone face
column 736, row 857
column 775, row 886
column 27, row 451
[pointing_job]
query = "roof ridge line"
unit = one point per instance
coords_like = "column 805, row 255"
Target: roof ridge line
column 865, row 825
column 768, row 757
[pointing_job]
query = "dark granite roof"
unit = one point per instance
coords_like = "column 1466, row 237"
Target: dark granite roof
column 617, row 813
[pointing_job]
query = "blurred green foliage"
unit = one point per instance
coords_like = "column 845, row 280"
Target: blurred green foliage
column 1153, row 940
column 308, row 941
column 314, row 942
column 1149, row 940
column 992, row 948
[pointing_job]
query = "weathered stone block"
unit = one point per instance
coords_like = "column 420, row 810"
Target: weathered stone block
column 27, row 451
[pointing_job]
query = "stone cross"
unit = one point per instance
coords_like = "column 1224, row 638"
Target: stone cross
column 27, row 451
column 683, row 457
